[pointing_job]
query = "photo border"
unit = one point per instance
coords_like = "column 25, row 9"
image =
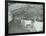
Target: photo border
column 6, row 17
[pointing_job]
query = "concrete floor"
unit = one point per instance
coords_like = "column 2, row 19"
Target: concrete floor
column 14, row 28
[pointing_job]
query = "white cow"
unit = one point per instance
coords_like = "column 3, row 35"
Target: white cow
column 38, row 26
column 28, row 25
